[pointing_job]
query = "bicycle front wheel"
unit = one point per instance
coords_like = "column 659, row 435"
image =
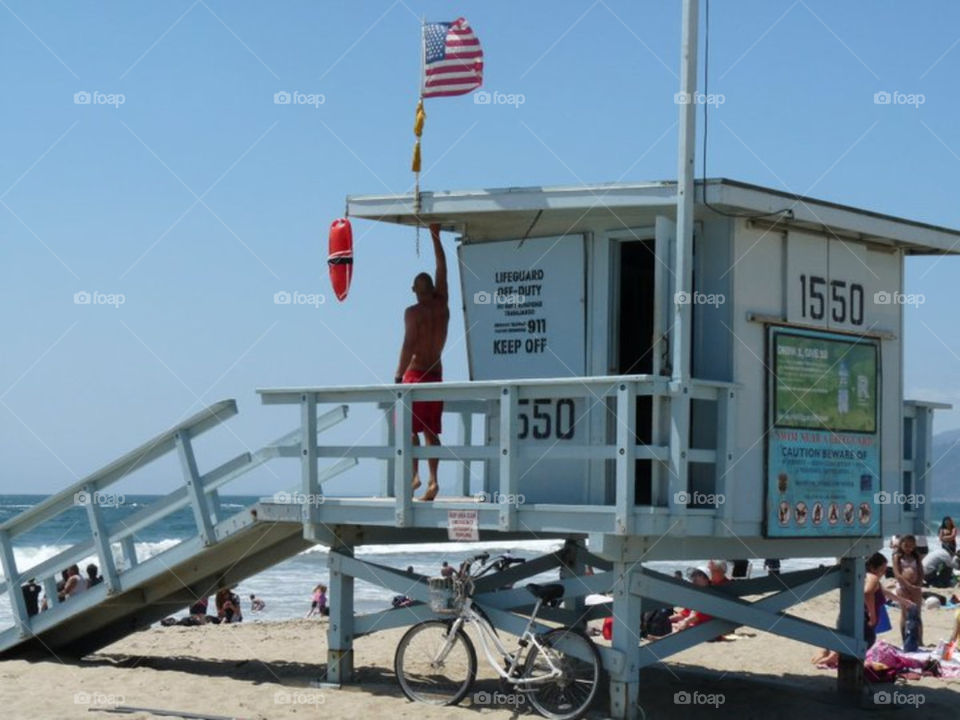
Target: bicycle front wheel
column 576, row 657
column 433, row 666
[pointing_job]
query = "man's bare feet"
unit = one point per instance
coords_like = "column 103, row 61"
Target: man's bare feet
column 416, row 482
column 431, row 493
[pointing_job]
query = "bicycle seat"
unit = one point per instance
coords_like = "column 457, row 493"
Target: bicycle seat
column 547, row 593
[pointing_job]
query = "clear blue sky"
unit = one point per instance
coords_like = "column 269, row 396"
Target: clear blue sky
column 103, row 198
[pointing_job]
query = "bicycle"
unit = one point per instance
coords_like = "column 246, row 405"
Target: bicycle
column 436, row 662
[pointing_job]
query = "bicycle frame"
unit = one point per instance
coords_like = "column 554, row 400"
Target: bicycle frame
column 488, row 637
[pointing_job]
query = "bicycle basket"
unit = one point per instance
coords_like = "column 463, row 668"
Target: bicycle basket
column 442, row 600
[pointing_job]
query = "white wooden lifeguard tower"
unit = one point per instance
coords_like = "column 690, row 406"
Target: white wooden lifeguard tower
column 662, row 371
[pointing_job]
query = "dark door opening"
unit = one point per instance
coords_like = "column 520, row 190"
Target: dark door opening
column 636, row 342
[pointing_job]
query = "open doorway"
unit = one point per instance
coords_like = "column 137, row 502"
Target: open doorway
column 635, row 346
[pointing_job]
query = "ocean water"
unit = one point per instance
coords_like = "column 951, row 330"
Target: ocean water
column 287, row 586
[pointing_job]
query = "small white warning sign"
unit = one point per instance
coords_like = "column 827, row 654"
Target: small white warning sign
column 462, row 525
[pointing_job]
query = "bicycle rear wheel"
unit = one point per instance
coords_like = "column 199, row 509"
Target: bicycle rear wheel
column 433, row 667
column 568, row 696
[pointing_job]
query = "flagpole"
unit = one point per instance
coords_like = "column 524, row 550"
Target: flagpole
column 416, row 192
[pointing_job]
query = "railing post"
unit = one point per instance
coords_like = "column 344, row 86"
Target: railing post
column 17, row 603
column 390, row 432
column 677, row 486
column 213, row 499
column 101, row 539
column 508, row 465
column 50, row 591
column 188, row 462
column 466, row 438
column 309, row 470
column 726, row 426
column 626, row 457
column 492, row 433
column 403, row 462
column 129, row 551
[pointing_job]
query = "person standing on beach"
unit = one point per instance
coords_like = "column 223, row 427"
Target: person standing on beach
column 425, row 334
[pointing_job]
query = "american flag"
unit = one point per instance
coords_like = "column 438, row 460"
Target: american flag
column 453, row 60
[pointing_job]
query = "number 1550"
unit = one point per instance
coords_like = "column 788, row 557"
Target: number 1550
column 845, row 300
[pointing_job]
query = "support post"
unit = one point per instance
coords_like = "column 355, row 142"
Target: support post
column 17, row 603
column 626, row 457
column 101, row 539
column 340, row 629
column 682, row 330
column 309, row 479
column 726, row 424
column 508, row 474
column 574, row 567
column 850, row 669
column 129, row 551
column 627, row 611
column 198, row 498
column 466, row 439
column 403, row 462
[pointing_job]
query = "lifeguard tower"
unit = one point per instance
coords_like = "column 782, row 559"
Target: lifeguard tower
column 660, row 371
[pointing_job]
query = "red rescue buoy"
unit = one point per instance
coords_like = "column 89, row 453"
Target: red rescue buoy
column 341, row 257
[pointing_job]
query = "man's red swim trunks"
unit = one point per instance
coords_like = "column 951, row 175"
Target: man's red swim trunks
column 426, row 414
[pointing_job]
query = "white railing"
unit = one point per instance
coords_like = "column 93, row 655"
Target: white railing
column 200, row 492
column 499, row 399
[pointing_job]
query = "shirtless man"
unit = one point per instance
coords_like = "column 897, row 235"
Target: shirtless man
column 425, row 333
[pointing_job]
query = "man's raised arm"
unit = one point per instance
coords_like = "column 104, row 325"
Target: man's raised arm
column 440, row 280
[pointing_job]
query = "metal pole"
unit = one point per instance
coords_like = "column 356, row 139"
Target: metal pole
column 682, row 330
column 687, row 146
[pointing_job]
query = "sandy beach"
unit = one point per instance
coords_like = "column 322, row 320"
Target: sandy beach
column 265, row 670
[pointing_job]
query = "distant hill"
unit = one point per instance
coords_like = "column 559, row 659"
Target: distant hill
column 946, row 469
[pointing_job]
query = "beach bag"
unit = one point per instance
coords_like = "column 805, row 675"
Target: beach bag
column 883, row 621
column 656, row 623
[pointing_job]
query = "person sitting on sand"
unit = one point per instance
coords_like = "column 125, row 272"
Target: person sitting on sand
column 718, row 572
column 318, row 606
column 256, row 604
column 911, row 589
column 93, row 576
column 228, row 606
column 686, row 618
column 938, row 567
column 75, row 584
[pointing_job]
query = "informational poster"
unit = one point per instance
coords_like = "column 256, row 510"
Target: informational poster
column 525, row 315
column 823, row 455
